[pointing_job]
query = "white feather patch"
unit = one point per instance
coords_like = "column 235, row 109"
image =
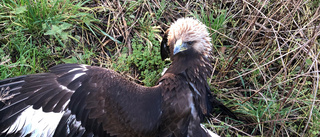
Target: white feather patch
column 83, row 68
column 35, row 122
column 164, row 71
column 65, row 88
column 77, row 76
column 209, row 131
column 191, row 105
column 194, row 88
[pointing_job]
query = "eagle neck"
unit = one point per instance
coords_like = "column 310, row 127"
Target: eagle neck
column 194, row 66
column 189, row 72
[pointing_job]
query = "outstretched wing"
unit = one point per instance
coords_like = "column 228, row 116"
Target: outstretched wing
column 98, row 100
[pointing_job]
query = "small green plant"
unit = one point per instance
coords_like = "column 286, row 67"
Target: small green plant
column 145, row 58
column 40, row 18
column 20, row 57
column 34, row 34
column 80, row 57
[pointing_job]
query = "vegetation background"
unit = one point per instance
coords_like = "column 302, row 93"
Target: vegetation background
column 266, row 52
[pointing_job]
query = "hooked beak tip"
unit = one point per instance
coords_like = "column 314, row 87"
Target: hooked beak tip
column 177, row 47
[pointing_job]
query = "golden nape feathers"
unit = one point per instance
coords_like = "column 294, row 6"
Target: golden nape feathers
column 192, row 31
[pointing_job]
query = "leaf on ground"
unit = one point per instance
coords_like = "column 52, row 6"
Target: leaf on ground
column 54, row 30
column 57, row 30
column 70, row 60
column 19, row 10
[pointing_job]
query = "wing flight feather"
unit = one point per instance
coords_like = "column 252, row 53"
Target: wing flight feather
column 100, row 99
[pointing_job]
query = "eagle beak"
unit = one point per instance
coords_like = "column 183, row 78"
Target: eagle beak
column 179, row 46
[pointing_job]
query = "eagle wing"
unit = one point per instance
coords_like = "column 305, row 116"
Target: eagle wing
column 96, row 99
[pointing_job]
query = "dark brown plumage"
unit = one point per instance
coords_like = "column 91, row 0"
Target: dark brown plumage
column 86, row 100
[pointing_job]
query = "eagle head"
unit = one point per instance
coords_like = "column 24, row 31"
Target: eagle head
column 186, row 34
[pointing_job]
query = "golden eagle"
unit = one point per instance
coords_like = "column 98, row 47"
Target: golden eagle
column 81, row 100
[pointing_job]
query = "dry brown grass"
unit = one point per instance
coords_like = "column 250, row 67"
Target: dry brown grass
column 271, row 73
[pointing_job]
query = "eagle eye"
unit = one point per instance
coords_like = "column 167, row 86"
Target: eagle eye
column 190, row 42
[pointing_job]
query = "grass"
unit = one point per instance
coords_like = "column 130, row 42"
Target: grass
column 36, row 34
column 266, row 54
